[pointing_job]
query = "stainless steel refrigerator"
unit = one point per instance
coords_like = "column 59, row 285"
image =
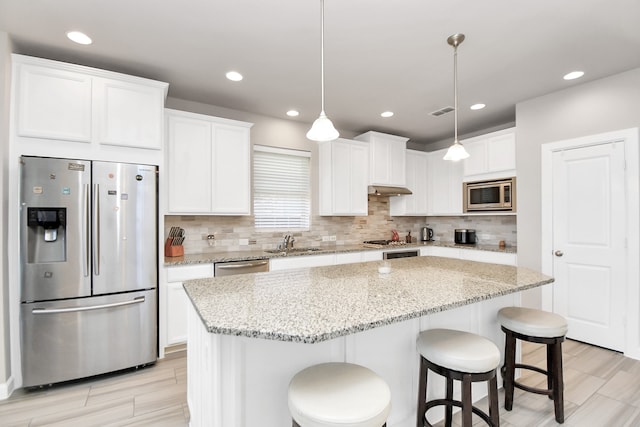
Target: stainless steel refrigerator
column 89, row 268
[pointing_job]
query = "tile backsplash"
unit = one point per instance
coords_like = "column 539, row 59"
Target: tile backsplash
column 237, row 233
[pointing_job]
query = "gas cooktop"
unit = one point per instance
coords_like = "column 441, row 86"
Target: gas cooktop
column 382, row 243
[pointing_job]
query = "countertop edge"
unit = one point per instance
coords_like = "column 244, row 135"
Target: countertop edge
column 214, row 257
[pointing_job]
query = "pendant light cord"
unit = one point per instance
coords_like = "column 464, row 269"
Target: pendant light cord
column 322, row 53
column 455, row 93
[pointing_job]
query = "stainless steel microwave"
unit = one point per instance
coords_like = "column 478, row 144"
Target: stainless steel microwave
column 498, row 195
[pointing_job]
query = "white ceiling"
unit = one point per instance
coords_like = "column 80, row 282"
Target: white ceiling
column 379, row 55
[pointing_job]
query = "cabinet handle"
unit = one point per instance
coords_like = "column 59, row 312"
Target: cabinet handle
column 558, row 253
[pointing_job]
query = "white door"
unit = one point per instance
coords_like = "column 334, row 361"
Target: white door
column 589, row 242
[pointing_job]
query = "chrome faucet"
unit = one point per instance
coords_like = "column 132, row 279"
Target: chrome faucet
column 287, row 242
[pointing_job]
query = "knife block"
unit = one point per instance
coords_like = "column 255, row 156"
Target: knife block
column 172, row 251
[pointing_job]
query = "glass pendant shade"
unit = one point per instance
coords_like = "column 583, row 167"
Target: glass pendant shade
column 322, row 129
column 456, row 152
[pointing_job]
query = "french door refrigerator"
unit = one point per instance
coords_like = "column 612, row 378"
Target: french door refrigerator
column 89, row 268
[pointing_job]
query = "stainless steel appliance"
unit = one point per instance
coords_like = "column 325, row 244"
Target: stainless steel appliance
column 499, row 195
column 400, row 254
column 426, row 234
column 229, row 268
column 89, row 268
column 464, row 236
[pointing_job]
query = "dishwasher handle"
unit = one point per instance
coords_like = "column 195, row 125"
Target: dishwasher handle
column 231, row 266
column 240, row 267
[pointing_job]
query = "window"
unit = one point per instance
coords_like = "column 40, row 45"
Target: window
column 281, row 186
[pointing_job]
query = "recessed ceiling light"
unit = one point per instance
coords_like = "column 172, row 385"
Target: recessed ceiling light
column 387, row 114
column 234, row 76
column 477, row 106
column 78, row 37
column 292, row 113
column 573, row 75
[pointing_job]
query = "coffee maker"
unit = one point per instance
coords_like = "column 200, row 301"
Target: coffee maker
column 426, row 234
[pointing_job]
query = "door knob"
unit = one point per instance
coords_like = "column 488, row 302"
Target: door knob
column 558, row 253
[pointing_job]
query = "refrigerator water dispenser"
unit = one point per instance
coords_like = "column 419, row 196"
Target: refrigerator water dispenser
column 46, row 236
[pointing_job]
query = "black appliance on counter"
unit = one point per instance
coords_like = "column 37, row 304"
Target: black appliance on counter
column 464, row 236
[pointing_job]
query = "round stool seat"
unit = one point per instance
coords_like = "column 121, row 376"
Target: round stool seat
column 339, row 394
column 458, row 350
column 532, row 322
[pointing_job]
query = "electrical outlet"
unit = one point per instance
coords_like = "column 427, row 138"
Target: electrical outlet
column 326, row 238
column 244, row 242
column 332, row 238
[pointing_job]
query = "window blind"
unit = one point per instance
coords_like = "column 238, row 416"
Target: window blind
column 282, row 194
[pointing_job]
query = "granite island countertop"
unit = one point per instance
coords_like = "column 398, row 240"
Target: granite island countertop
column 316, row 304
column 213, row 257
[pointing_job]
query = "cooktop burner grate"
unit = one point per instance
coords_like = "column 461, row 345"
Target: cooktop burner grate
column 383, row 243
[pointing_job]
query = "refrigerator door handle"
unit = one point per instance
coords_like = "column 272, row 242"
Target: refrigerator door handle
column 96, row 229
column 137, row 300
column 86, row 250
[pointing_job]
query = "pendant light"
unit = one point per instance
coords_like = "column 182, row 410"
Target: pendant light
column 456, row 152
column 322, row 129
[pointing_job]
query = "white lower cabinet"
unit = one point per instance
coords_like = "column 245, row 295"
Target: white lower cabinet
column 372, row 255
column 471, row 255
column 490, row 257
column 349, row 257
column 285, row 263
column 174, row 300
column 176, row 313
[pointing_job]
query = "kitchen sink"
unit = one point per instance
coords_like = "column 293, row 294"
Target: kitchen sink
column 292, row 251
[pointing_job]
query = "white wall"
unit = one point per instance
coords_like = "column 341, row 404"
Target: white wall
column 5, row 84
column 600, row 106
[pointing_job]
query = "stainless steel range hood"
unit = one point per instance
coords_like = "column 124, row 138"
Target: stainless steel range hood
column 383, row 190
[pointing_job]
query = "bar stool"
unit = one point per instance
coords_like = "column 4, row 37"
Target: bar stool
column 461, row 356
column 339, row 395
column 540, row 327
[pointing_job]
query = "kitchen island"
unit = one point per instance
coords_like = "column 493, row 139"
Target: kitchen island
column 249, row 334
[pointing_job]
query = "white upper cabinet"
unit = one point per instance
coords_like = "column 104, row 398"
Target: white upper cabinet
column 53, row 104
column 209, row 161
column 417, row 172
column 343, row 177
column 445, row 185
column 130, row 114
column 491, row 156
column 66, row 102
column 387, row 160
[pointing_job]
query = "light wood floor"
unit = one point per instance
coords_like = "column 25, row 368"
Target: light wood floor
column 602, row 388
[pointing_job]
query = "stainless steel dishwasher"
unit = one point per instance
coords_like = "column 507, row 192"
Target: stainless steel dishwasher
column 229, row 268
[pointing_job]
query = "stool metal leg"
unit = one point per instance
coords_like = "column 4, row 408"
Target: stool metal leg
column 448, row 418
column 422, row 393
column 510, row 368
column 550, row 369
column 467, row 404
column 558, row 382
column 494, row 412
